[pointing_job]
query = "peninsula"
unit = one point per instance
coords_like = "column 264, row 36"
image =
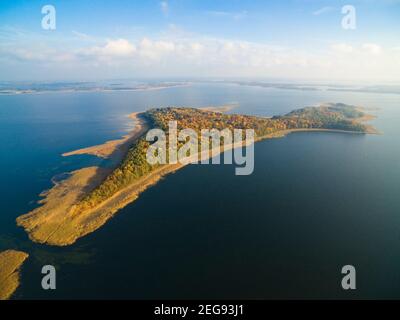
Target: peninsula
column 89, row 197
column 10, row 263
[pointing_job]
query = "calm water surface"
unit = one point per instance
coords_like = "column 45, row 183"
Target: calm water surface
column 315, row 202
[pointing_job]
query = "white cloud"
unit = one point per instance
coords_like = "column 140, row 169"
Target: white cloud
column 233, row 15
column 120, row 47
column 342, row 48
column 372, row 48
column 194, row 55
column 368, row 61
column 323, row 10
column 82, row 36
column 182, row 54
column 155, row 50
column 365, row 49
column 113, row 48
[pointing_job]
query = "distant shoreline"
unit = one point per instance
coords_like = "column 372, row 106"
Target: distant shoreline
column 15, row 92
column 377, row 89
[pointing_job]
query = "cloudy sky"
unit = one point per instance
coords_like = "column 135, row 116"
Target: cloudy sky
column 292, row 39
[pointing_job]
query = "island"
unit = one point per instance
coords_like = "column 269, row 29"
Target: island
column 89, row 197
column 10, row 263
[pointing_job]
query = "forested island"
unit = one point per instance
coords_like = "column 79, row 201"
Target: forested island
column 90, row 196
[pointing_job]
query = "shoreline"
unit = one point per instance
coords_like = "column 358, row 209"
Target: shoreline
column 115, row 148
column 283, row 133
column 220, row 109
column 57, row 223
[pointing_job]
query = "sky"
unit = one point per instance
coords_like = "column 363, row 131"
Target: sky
column 287, row 39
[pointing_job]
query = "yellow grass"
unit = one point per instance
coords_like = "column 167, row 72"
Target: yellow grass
column 10, row 263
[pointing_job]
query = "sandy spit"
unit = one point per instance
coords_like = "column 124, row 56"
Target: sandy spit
column 115, row 148
column 10, row 263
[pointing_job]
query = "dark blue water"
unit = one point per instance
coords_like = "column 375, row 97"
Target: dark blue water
column 315, row 202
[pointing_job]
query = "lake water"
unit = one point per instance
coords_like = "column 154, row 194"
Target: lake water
column 315, row 202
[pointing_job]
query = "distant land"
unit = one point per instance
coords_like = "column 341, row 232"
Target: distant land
column 90, row 196
column 11, row 88
column 14, row 88
column 389, row 88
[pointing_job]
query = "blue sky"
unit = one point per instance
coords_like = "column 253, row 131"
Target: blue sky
column 187, row 38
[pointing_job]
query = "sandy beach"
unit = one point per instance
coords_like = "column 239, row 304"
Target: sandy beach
column 115, row 148
column 220, row 109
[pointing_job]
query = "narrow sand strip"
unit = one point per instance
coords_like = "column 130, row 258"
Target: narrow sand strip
column 110, row 148
column 220, row 109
